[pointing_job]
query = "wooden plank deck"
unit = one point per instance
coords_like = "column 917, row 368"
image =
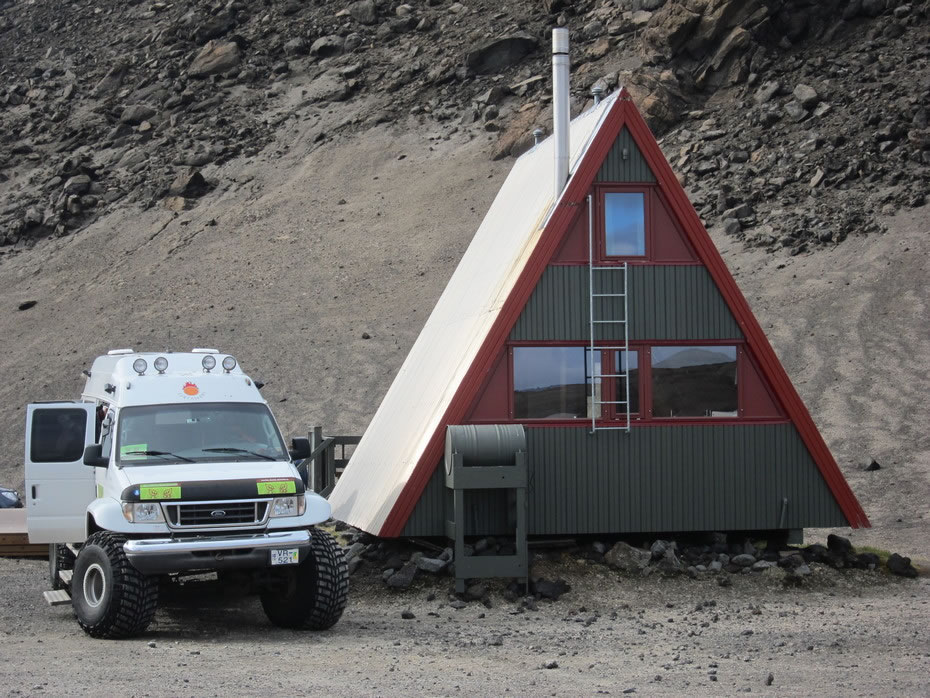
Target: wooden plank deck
column 14, row 541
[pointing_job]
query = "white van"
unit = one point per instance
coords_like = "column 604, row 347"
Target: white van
column 171, row 463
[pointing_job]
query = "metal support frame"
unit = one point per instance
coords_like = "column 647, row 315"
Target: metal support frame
column 459, row 478
column 623, row 371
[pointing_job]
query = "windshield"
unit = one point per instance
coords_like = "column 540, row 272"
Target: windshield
column 201, row 433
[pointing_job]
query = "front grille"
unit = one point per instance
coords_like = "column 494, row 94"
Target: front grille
column 236, row 513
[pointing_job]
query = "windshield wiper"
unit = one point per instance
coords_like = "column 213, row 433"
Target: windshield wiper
column 156, row 453
column 238, row 450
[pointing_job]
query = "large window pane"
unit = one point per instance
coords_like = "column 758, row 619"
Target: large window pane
column 552, row 382
column 625, row 224
column 58, row 435
column 630, row 360
column 694, row 381
column 207, row 432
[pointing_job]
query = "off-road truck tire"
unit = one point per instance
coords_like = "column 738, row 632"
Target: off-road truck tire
column 59, row 558
column 312, row 596
column 110, row 597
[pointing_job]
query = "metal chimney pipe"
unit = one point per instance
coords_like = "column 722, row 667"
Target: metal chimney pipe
column 560, row 106
column 537, row 135
column 598, row 93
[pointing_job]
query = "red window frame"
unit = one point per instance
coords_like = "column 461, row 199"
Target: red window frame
column 600, row 222
column 646, row 372
column 608, row 411
column 644, row 416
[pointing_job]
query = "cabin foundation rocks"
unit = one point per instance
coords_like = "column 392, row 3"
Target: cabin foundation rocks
column 400, row 564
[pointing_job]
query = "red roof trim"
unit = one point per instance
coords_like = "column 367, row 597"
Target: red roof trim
column 623, row 113
column 758, row 343
column 547, row 247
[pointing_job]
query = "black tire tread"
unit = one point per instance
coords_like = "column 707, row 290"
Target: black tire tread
column 332, row 582
column 135, row 595
column 63, row 560
column 319, row 595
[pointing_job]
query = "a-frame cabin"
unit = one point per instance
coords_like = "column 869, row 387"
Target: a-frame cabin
column 609, row 326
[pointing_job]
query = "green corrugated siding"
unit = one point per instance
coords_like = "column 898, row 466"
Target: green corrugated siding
column 633, row 168
column 488, row 511
column 675, row 478
column 665, row 302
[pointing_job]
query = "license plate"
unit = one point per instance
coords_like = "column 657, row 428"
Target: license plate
column 291, row 556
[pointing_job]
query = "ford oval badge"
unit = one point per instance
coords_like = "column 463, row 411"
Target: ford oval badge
column 217, row 513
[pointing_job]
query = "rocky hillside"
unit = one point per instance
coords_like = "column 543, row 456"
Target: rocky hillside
column 793, row 121
column 294, row 182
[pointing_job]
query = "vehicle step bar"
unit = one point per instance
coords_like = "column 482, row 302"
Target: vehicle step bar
column 59, row 597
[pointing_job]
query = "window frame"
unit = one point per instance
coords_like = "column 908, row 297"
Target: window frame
column 608, row 411
column 644, row 415
column 600, row 230
column 740, row 380
column 38, row 426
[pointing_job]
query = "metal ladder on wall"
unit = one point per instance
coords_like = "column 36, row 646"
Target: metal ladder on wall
column 621, row 372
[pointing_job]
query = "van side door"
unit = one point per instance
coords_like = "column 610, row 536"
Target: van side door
column 59, row 487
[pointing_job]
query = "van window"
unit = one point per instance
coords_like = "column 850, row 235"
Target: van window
column 57, row 435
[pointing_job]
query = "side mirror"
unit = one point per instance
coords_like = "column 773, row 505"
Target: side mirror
column 93, row 456
column 300, row 448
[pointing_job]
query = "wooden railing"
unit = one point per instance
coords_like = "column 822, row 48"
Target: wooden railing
column 322, row 467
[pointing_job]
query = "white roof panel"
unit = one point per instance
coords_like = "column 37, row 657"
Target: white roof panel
column 421, row 392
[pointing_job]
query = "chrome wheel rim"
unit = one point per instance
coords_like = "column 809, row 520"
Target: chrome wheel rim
column 95, row 585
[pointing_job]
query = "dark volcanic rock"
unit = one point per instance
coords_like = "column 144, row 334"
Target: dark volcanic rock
column 499, row 54
column 189, row 184
column 734, row 63
column 215, row 57
column 79, row 184
column 901, row 566
column 868, row 561
column 327, row 46
column 403, row 578
column 364, row 11
column 548, row 589
column 839, row 545
column 136, row 114
column 626, row 558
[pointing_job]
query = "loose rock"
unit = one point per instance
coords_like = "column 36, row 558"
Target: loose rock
column 215, row 57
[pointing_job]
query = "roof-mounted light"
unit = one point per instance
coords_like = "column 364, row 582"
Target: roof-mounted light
column 161, row 363
column 139, row 366
column 208, row 363
column 229, row 363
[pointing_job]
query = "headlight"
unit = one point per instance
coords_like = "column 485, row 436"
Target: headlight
column 161, row 363
column 139, row 366
column 229, row 363
column 142, row 512
column 208, row 362
column 288, row 506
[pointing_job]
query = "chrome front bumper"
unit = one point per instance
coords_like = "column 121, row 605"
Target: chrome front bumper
column 167, row 555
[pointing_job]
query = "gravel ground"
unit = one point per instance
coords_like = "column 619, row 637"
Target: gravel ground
column 609, row 634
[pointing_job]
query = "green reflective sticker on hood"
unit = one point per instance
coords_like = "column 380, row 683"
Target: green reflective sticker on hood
column 160, row 491
column 277, row 487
